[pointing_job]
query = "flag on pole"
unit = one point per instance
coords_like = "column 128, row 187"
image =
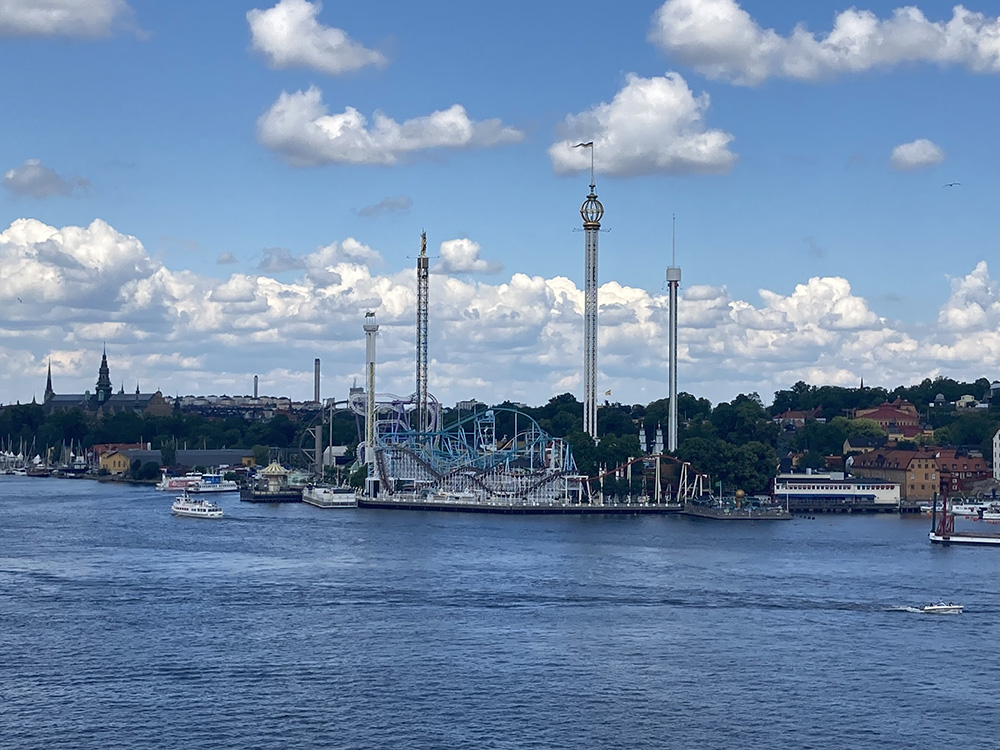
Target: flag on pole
column 585, row 145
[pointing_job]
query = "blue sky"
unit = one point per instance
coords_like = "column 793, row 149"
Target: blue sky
column 185, row 127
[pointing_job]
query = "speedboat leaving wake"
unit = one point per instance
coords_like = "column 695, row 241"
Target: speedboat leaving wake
column 938, row 608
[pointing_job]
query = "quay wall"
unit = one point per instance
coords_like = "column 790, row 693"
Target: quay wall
column 515, row 507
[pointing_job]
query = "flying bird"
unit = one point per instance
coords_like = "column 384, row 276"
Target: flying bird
column 20, row 300
column 951, row 184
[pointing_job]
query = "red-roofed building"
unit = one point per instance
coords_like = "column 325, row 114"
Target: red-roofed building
column 899, row 418
column 959, row 471
column 916, row 472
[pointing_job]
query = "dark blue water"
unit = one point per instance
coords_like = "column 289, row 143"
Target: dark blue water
column 294, row 627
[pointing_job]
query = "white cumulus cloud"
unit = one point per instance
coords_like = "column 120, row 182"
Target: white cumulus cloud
column 652, row 126
column 974, row 302
column 81, row 267
column 916, row 154
column 298, row 127
column 71, row 18
column 722, row 41
column 290, row 36
column 462, row 256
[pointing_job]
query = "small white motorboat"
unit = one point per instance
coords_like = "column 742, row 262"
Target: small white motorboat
column 942, row 608
column 190, row 507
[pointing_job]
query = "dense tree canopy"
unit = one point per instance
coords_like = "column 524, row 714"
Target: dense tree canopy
column 737, row 443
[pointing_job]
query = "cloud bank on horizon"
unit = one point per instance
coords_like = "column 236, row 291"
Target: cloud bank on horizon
column 517, row 339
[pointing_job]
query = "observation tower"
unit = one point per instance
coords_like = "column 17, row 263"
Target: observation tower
column 591, row 211
column 371, row 329
column 673, row 282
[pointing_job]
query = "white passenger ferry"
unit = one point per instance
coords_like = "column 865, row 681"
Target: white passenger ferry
column 213, row 483
column 190, row 507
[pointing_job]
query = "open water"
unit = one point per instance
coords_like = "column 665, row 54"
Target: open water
column 294, row 627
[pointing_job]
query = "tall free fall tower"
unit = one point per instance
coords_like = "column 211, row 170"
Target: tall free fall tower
column 591, row 211
column 673, row 282
column 423, row 305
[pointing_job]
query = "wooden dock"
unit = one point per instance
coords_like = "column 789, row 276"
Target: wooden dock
column 330, row 497
column 286, row 495
column 965, row 538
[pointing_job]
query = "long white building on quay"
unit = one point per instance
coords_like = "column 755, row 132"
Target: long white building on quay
column 834, row 493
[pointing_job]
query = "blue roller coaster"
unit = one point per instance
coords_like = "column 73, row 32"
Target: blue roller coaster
column 466, row 458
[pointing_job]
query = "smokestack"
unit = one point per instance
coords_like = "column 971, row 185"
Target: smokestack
column 316, row 380
column 255, row 386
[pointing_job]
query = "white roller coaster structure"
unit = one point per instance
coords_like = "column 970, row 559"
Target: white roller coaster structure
column 467, row 457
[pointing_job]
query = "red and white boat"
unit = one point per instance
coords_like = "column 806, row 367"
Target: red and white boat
column 184, row 482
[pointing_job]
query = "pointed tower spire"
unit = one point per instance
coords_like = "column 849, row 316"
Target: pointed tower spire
column 49, row 393
column 104, row 379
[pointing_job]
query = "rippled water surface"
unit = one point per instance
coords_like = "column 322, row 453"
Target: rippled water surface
column 294, row 627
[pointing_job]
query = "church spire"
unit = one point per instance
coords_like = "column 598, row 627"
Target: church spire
column 49, row 393
column 104, row 379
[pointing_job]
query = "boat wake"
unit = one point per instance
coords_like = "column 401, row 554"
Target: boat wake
column 904, row 608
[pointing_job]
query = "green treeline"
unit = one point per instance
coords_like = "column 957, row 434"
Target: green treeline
column 736, row 442
column 27, row 425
